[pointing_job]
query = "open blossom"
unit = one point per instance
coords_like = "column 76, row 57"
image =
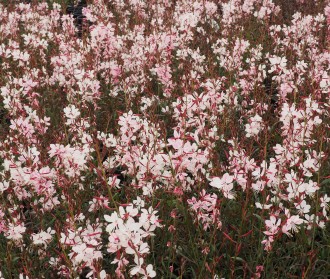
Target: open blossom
column 150, row 273
column 254, row 126
column 71, row 113
column 15, row 231
column 146, row 273
column 114, row 182
column 325, row 200
column 4, row 186
column 303, row 207
column 114, row 221
column 97, row 203
column 225, row 184
column 292, row 224
column 272, row 225
column 43, row 237
column 278, row 63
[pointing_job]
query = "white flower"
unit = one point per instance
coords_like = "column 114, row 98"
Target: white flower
column 254, row 127
column 138, row 268
column 303, row 207
column 43, row 237
column 114, row 220
column 138, row 202
column 272, row 225
column 15, row 232
column 277, row 63
column 4, row 186
column 291, row 224
column 103, row 274
column 150, row 273
column 113, row 182
column 71, row 112
column 225, row 184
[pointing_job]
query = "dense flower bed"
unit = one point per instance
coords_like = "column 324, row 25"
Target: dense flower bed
column 165, row 139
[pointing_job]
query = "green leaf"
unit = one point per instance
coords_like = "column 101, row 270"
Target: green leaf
column 325, row 182
column 258, row 217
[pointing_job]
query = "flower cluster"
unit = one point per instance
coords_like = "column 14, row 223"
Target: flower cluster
column 128, row 230
column 146, row 139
